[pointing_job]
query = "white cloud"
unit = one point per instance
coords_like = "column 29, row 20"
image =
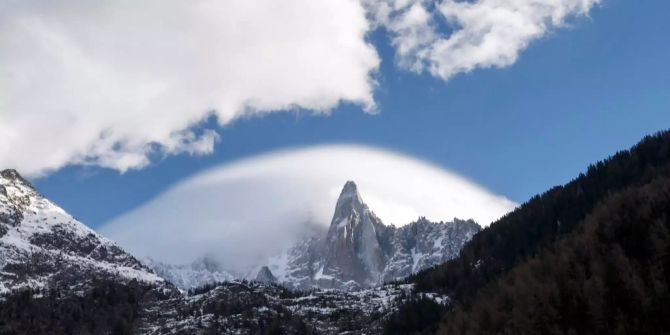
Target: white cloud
column 108, row 82
column 486, row 33
column 244, row 211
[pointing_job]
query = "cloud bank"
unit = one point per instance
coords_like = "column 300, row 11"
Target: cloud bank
column 244, row 211
column 113, row 83
column 483, row 33
column 109, row 83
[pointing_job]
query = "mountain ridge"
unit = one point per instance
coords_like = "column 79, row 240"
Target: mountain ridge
column 357, row 250
column 41, row 245
column 360, row 251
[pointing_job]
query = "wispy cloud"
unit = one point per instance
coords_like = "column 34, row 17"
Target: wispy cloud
column 481, row 33
column 244, row 211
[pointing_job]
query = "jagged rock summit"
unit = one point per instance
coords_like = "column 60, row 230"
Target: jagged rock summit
column 43, row 246
column 353, row 252
column 360, row 251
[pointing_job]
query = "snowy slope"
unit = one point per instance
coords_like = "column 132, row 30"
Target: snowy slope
column 422, row 244
column 41, row 245
column 200, row 272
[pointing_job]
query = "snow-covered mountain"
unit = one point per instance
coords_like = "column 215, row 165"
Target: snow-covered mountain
column 45, row 250
column 360, row 251
column 43, row 246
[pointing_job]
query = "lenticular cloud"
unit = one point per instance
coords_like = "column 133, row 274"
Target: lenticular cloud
column 243, row 211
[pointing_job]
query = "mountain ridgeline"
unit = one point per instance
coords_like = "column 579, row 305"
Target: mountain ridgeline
column 587, row 257
column 42, row 246
column 356, row 251
column 59, row 276
column 359, row 251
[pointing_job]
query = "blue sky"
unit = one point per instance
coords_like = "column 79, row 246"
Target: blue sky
column 573, row 97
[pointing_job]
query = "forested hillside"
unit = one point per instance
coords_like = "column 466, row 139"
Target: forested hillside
column 537, row 225
column 544, row 218
column 107, row 308
column 611, row 276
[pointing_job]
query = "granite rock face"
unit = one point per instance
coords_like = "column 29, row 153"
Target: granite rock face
column 360, row 251
column 353, row 246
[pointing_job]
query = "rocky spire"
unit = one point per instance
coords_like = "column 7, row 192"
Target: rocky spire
column 265, row 276
column 348, row 211
column 349, row 192
column 352, row 250
column 348, row 204
column 360, row 251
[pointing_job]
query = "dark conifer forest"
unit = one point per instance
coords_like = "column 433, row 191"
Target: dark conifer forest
column 610, row 276
column 587, row 257
column 107, row 308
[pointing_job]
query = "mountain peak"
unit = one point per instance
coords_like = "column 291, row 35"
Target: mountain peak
column 352, row 246
column 13, row 176
column 265, row 276
column 349, row 193
column 348, row 203
column 9, row 174
column 350, row 186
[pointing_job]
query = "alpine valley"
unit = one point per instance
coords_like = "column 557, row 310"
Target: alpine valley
column 346, row 279
column 587, row 257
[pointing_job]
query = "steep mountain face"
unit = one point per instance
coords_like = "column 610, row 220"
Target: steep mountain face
column 423, row 244
column 353, row 246
column 43, row 246
column 360, row 251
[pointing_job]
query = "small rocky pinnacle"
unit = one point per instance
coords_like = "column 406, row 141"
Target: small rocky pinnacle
column 349, row 191
column 266, row 276
column 349, row 186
